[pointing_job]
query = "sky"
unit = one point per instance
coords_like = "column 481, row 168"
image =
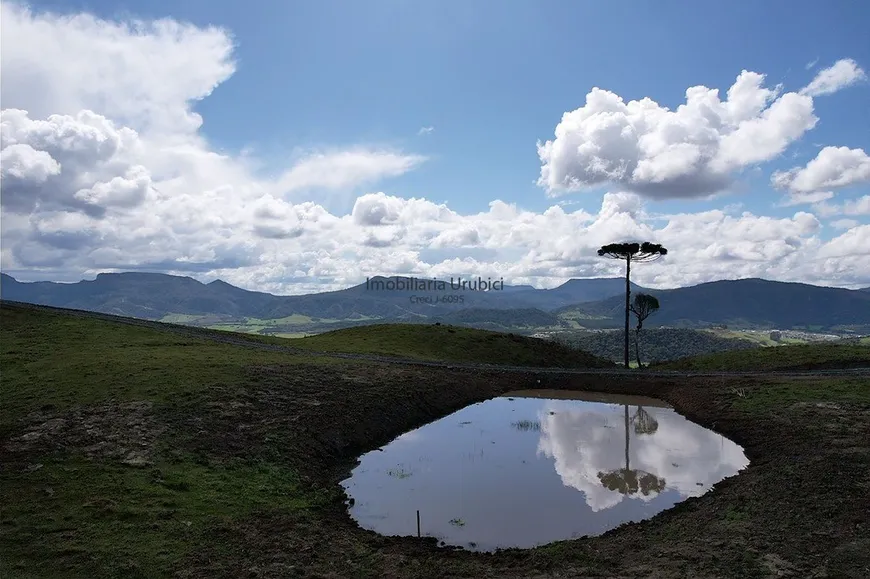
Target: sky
column 293, row 147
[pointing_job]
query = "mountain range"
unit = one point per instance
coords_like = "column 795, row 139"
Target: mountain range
column 748, row 303
column 578, row 303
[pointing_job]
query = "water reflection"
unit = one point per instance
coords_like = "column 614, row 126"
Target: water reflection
column 509, row 469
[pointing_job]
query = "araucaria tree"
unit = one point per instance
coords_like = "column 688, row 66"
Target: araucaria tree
column 643, row 306
column 631, row 252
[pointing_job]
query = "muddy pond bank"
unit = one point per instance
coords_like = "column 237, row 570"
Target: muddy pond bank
column 799, row 509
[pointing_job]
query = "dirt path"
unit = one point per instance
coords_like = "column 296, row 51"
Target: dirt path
column 229, row 338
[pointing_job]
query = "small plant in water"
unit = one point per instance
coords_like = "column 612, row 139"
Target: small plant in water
column 527, row 425
column 399, row 472
column 457, row 522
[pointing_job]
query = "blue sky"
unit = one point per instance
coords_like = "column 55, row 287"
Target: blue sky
column 494, row 81
column 490, row 83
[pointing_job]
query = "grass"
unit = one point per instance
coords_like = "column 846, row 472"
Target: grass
column 761, row 338
column 73, row 517
column 287, row 320
column 778, row 394
column 806, row 356
column 449, row 343
column 243, row 483
column 57, row 360
column 179, row 318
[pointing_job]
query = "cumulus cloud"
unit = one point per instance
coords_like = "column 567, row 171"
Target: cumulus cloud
column 75, row 162
column 851, row 243
column 844, row 223
column 345, row 169
column 832, row 168
column 140, row 73
column 805, row 198
column 425, row 130
column 843, row 73
column 103, row 169
column 691, row 151
column 859, row 206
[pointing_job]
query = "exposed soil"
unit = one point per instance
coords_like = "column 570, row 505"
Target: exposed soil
column 115, row 431
column 802, row 508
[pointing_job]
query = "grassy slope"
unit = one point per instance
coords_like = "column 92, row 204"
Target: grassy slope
column 64, row 515
column 56, row 359
column 72, row 516
column 797, row 357
column 450, row 343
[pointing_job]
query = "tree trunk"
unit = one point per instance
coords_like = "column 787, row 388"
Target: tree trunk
column 637, row 347
column 626, row 440
column 627, row 303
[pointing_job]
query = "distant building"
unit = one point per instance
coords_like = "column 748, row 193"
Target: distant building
column 776, row 335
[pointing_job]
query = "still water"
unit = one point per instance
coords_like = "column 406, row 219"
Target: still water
column 533, row 467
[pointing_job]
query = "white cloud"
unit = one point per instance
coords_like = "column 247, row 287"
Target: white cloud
column 345, row 169
column 142, row 74
column 805, row 198
column 692, row 151
column 812, row 64
column 841, row 74
column 82, row 162
column 425, row 130
column 844, row 223
column 833, row 167
column 859, row 206
column 855, row 241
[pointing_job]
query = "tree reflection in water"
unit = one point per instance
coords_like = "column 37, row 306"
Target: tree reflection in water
column 625, row 480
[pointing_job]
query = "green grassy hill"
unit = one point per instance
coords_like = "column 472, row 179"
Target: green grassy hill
column 450, row 343
column 798, row 357
column 501, row 319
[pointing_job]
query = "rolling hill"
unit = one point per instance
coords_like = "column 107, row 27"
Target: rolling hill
column 500, row 319
column 753, row 302
column 449, row 343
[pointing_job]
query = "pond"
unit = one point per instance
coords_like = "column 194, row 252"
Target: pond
column 533, row 467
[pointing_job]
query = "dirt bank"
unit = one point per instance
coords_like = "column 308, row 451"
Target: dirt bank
column 800, row 509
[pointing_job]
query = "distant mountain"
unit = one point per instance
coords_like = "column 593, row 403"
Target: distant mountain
column 155, row 295
column 590, row 303
column 746, row 303
column 574, row 291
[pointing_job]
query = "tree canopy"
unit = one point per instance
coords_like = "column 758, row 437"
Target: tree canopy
column 644, row 306
column 634, row 251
